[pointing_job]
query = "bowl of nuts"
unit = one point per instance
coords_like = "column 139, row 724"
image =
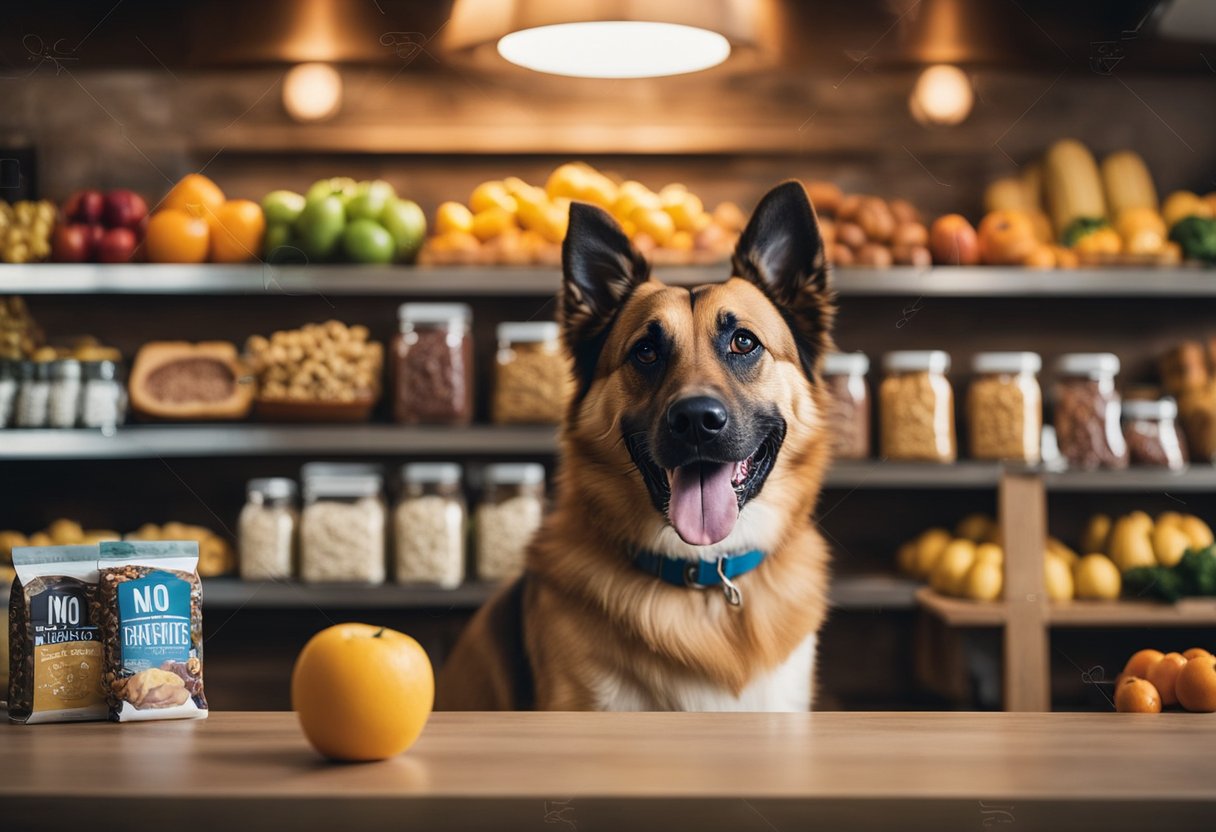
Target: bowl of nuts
column 326, row 372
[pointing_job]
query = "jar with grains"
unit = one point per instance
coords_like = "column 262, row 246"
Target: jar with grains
column 849, row 416
column 33, row 394
column 433, row 364
column 8, row 392
column 1005, row 406
column 103, row 404
column 916, row 404
column 267, row 529
column 508, row 515
column 533, row 379
column 1087, row 410
column 429, row 525
column 342, row 525
column 1151, row 430
column 63, row 400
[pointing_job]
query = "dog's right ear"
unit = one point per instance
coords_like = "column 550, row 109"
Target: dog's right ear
column 600, row 269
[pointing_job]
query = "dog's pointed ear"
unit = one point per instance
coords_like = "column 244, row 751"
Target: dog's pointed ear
column 600, row 269
column 782, row 252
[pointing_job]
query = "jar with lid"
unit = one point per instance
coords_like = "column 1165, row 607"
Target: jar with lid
column 508, row 515
column 916, row 404
column 1087, row 410
column 1150, row 428
column 63, row 400
column 33, row 394
column 103, row 403
column 433, row 364
column 8, row 392
column 429, row 525
column 533, row 380
column 342, row 525
column 849, row 415
column 266, row 531
column 1005, row 406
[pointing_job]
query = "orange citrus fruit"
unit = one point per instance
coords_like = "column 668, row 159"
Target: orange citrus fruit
column 1134, row 695
column 362, row 692
column 1140, row 662
column 175, row 236
column 195, row 194
column 1195, row 652
column 1196, row 684
column 236, row 232
column 1163, row 673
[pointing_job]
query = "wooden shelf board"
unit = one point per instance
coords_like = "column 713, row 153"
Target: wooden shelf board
column 960, row 612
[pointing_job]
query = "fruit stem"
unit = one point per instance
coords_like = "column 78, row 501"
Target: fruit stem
column 380, row 632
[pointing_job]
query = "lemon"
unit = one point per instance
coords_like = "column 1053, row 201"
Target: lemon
column 984, row 581
column 1097, row 577
column 929, row 547
column 1058, row 578
column 989, row 552
column 951, row 569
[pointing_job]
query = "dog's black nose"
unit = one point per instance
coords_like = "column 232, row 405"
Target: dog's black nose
column 697, row 418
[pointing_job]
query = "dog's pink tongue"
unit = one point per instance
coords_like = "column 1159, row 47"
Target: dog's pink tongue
column 703, row 507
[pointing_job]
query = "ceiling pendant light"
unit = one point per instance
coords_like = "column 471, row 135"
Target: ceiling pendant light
column 604, row 39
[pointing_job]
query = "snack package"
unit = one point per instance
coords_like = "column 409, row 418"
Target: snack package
column 151, row 618
column 55, row 650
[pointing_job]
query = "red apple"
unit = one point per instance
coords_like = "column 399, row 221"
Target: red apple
column 124, row 209
column 95, row 233
column 71, row 244
column 117, row 246
column 84, row 207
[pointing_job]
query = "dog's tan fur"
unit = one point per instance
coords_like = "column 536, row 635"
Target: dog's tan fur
column 591, row 620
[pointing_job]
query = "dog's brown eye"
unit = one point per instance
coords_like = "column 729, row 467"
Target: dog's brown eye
column 743, row 342
column 645, row 353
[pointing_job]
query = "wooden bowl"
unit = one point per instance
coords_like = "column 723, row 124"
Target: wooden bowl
column 284, row 410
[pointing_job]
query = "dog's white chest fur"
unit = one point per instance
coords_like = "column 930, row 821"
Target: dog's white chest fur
column 786, row 687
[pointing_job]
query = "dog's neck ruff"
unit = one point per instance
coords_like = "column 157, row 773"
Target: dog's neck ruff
column 702, row 574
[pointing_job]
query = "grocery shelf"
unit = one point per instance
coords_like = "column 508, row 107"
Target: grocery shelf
column 539, row 281
column 1193, row 478
column 877, row 473
column 960, row 612
column 873, row 592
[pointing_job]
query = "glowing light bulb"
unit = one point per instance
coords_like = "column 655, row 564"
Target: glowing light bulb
column 615, row 49
column 312, row 92
column 942, row 95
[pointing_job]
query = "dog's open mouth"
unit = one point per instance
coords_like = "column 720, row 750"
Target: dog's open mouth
column 702, row 498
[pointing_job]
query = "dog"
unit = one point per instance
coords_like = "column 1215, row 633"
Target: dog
column 679, row 568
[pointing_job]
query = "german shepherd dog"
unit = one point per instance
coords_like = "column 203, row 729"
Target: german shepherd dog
column 679, row 568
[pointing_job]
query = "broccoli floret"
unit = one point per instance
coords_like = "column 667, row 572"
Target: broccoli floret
column 1081, row 227
column 1153, row 582
column 1198, row 571
column 1197, row 236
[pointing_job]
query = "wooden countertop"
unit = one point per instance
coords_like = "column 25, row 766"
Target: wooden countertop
column 636, row 771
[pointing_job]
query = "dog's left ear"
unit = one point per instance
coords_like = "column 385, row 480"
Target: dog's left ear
column 781, row 251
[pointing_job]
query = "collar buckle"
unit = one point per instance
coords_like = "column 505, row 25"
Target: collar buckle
column 734, row 595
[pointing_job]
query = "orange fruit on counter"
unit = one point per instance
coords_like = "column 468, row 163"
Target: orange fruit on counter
column 1006, row 238
column 1196, row 684
column 1195, row 652
column 236, row 231
column 195, row 194
column 1134, row 695
column 1140, row 662
column 176, row 236
column 362, row 692
column 1163, row 673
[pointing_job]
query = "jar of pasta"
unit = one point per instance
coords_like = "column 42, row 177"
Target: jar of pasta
column 1087, row 411
column 342, row 525
column 429, row 525
column 1150, row 428
column 433, row 364
column 1005, row 406
column 266, row 530
column 508, row 515
column 849, row 414
column 916, row 406
column 533, row 379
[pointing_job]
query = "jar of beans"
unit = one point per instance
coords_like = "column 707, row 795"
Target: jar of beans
column 266, row 529
column 533, row 379
column 849, row 414
column 429, row 525
column 342, row 526
column 509, row 514
column 916, row 404
column 433, row 364
column 1087, row 410
column 1150, row 428
column 1005, row 406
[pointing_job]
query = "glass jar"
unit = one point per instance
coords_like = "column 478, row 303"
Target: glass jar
column 533, row 380
column 103, row 403
column 433, row 364
column 266, row 531
column 428, row 525
column 509, row 513
column 1087, row 410
column 63, row 400
column 1150, row 428
column 849, row 416
column 8, row 392
column 916, row 404
column 1005, row 406
column 33, row 394
column 342, row 525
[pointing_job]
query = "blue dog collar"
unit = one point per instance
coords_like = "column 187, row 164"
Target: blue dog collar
column 700, row 574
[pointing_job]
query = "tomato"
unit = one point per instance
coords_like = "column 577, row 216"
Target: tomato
column 236, row 232
column 177, row 236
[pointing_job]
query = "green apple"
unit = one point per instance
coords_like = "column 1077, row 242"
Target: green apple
column 342, row 186
column 320, row 227
column 282, row 207
column 370, row 200
column 366, row 241
column 407, row 223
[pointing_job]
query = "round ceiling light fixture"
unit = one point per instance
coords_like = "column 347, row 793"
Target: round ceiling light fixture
column 615, row 49
column 312, row 92
column 942, row 96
